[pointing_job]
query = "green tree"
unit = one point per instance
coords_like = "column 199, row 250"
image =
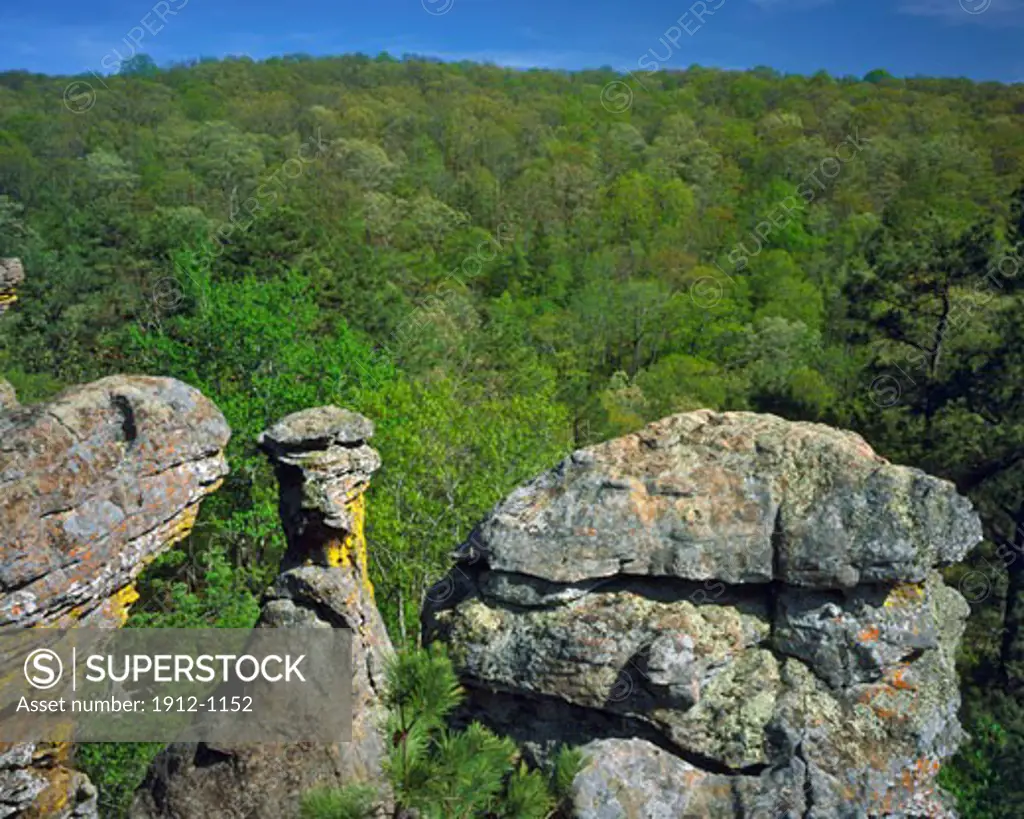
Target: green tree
column 441, row 773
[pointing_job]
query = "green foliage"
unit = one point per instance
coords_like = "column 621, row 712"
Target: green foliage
column 352, row 802
column 260, row 350
column 442, row 773
column 568, row 762
column 985, row 776
column 450, row 452
column 221, row 598
column 116, row 769
column 527, row 795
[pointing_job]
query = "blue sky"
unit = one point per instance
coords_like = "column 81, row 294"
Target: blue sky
column 980, row 39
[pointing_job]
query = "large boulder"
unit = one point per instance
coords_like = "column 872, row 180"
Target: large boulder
column 742, row 611
column 93, row 485
column 324, row 464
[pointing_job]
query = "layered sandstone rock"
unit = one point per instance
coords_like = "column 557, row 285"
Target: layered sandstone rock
column 93, row 485
column 323, row 464
column 11, row 275
column 736, row 616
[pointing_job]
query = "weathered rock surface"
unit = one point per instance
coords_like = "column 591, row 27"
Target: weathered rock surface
column 36, row 782
column 92, row 486
column 633, row 779
column 736, row 614
column 11, row 275
column 95, row 484
column 738, row 497
column 8, row 398
column 324, row 465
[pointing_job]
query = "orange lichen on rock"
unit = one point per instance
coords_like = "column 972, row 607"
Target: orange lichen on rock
column 868, row 635
column 897, row 678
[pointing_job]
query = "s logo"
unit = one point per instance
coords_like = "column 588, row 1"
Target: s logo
column 43, row 668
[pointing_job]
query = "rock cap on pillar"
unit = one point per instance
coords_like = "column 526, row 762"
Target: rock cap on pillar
column 318, row 427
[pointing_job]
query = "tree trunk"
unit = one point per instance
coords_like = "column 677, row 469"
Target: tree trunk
column 934, row 359
column 1011, row 659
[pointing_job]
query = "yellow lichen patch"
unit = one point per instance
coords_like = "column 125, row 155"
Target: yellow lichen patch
column 357, row 541
column 351, row 552
column 906, row 594
column 53, row 799
column 121, row 602
column 336, row 553
column 183, row 524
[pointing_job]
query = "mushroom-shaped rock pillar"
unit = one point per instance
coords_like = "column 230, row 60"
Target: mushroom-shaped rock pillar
column 323, row 466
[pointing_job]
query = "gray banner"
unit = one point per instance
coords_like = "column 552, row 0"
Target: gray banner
column 161, row 685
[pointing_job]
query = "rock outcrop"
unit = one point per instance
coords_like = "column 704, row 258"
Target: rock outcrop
column 11, row 275
column 323, row 464
column 736, row 615
column 93, row 485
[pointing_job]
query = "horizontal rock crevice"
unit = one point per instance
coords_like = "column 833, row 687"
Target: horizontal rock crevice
column 760, row 594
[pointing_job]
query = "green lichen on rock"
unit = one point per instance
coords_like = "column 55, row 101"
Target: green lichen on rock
column 742, row 611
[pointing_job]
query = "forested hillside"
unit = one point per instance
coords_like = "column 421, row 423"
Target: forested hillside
column 498, row 266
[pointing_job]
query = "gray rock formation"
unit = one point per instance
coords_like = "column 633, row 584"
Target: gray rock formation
column 11, row 275
column 324, row 465
column 735, row 614
column 92, row 486
column 95, row 484
column 35, row 783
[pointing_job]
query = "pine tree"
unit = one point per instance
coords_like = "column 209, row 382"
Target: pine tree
column 439, row 773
